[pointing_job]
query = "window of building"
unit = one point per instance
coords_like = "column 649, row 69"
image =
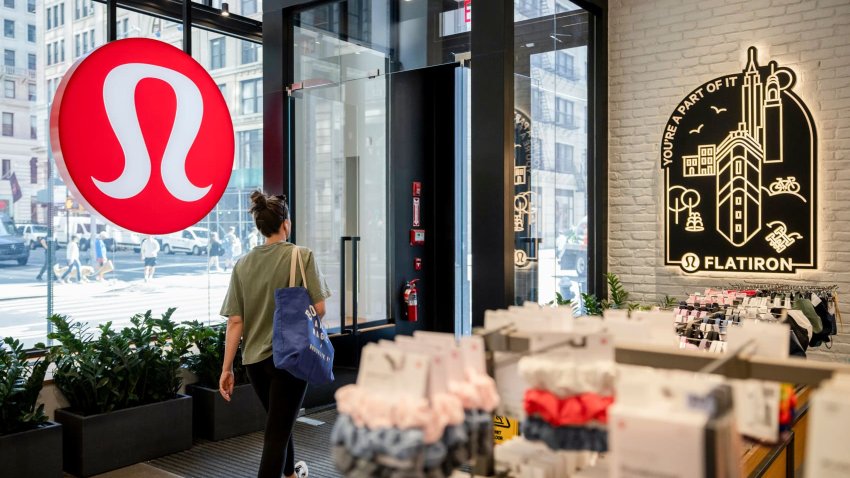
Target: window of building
column 564, row 113
column 252, row 96
column 9, row 58
column 250, row 52
column 249, row 7
column 85, row 42
column 33, row 127
column 8, row 124
column 223, row 89
column 61, row 14
column 30, row 6
column 9, row 88
column 9, row 3
column 737, row 201
column 61, row 56
column 564, row 64
column 9, row 28
column 217, row 47
column 34, row 171
column 31, row 61
column 31, row 91
column 78, row 49
column 564, row 158
column 6, row 169
column 250, row 154
column 49, row 54
column 31, row 33
column 122, row 27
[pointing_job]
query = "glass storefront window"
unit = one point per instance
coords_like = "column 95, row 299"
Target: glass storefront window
column 185, row 276
column 550, row 183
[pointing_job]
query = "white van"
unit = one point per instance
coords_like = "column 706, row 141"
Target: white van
column 193, row 240
column 66, row 227
column 32, row 233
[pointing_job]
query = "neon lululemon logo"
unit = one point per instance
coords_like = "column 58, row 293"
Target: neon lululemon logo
column 118, row 96
column 739, row 156
column 142, row 136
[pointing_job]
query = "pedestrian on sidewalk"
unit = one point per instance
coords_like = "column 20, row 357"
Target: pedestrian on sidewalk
column 249, row 307
column 216, row 251
column 233, row 248
column 72, row 255
column 149, row 250
column 49, row 251
column 104, row 265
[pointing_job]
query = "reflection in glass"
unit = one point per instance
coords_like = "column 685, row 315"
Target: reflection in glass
column 183, row 277
column 550, row 181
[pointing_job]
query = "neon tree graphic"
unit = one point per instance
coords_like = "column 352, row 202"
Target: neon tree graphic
column 747, row 147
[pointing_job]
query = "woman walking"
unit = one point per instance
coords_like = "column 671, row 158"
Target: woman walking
column 249, row 307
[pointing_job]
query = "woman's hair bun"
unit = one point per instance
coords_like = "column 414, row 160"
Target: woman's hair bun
column 258, row 201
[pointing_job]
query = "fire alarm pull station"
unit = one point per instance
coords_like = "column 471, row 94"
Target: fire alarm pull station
column 417, row 264
column 417, row 237
column 417, row 189
column 417, row 210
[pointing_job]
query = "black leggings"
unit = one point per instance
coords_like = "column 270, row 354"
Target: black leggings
column 282, row 395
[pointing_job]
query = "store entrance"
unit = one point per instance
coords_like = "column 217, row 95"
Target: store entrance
column 374, row 161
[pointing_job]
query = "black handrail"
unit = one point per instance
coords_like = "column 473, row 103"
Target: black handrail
column 354, row 282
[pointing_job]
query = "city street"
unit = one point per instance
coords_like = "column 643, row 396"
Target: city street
column 181, row 281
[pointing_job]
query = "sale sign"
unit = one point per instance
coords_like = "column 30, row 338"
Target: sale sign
column 142, row 135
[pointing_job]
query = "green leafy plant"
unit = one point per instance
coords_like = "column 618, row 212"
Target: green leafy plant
column 668, row 303
column 619, row 297
column 21, row 381
column 112, row 370
column 560, row 300
column 206, row 362
column 592, row 305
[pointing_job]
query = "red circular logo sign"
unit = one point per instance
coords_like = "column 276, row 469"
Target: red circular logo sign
column 141, row 135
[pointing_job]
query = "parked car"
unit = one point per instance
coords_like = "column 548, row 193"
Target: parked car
column 12, row 245
column 193, row 240
column 32, row 233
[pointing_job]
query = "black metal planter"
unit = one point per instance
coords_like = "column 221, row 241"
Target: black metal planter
column 34, row 453
column 100, row 443
column 215, row 419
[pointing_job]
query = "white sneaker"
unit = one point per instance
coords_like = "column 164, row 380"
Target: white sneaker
column 301, row 470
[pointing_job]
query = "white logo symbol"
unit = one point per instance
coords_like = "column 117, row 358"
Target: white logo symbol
column 119, row 90
column 690, row 262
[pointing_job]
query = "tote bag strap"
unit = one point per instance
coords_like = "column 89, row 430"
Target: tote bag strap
column 296, row 257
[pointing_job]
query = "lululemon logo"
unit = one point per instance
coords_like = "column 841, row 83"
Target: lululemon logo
column 118, row 97
column 142, row 136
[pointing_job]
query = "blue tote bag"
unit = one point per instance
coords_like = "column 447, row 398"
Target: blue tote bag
column 300, row 344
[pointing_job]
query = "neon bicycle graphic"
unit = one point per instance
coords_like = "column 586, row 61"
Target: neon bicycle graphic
column 787, row 185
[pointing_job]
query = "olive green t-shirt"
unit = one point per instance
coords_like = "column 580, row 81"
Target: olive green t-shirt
column 251, row 293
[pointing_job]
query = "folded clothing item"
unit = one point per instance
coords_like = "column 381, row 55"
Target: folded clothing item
column 398, row 450
column 562, row 378
column 588, row 438
column 575, row 410
column 375, row 411
column 478, row 392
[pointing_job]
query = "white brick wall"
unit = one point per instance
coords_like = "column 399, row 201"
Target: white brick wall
column 660, row 50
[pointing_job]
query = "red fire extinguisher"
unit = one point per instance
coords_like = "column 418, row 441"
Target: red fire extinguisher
column 411, row 298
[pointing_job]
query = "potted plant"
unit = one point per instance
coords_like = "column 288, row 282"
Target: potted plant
column 30, row 446
column 213, row 417
column 122, row 389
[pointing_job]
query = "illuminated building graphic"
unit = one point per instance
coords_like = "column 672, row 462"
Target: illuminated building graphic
column 747, row 147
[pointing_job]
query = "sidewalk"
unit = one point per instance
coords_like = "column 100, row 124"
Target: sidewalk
column 39, row 289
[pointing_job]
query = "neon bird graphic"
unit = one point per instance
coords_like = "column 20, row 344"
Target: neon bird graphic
column 698, row 130
column 718, row 110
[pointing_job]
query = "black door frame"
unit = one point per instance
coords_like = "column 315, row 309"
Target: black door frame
column 492, row 137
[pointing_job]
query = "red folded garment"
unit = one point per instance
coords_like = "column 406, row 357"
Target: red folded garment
column 575, row 410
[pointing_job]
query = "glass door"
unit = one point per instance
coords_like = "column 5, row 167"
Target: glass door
column 339, row 147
